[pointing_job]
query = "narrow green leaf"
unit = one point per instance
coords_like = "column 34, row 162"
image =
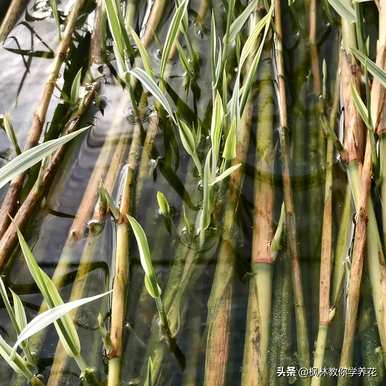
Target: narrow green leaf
column 172, row 35
column 225, row 174
column 50, row 316
column 205, row 216
column 9, row 130
column 143, row 246
column 149, row 372
column 361, row 108
column 32, row 156
column 8, row 307
column 344, row 9
column 14, row 360
column 372, row 67
column 20, row 316
column 64, row 327
column 55, row 13
column 118, row 31
column 240, row 21
column 216, row 127
column 229, row 152
column 152, row 87
column 75, row 87
column 249, row 47
column 143, row 53
column 187, row 138
column 213, row 49
column 152, row 287
column 250, row 77
column 115, row 25
column 105, row 196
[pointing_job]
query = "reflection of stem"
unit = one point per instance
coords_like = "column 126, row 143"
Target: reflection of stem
column 10, row 201
column 301, row 325
column 13, row 13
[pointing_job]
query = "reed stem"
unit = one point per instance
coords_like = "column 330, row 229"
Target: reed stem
column 255, row 363
column 121, row 262
column 13, row 13
column 325, row 313
column 300, row 314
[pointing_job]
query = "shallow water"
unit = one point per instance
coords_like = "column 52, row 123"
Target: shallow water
column 171, row 172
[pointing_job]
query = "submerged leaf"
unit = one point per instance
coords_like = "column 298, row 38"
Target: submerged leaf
column 32, row 156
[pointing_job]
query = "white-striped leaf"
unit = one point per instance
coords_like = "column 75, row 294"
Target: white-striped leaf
column 32, row 156
column 50, row 316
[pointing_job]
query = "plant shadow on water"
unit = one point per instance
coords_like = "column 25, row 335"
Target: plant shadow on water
column 207, row 272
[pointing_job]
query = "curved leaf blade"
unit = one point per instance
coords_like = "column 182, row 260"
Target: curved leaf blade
column 32, row 156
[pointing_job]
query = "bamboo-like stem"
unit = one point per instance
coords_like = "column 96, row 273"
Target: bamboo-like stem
column 13, row 13
column 10, row 201
column 119, row 295
column 360, row 181
column 97, row 42
column 352, row 126
column 153, row 22
column 300, row 314
column 325, row 314
column 342, row 247
column 9, row 238
column 255, row 363
column 81, row 280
